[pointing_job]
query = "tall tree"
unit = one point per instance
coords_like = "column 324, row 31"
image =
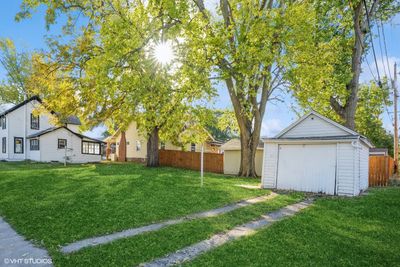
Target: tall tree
column 17, row 66
column 113, row 72
column 341, row 31
column 245, row 42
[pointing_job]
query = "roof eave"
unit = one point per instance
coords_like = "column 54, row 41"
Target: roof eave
column 313, row 112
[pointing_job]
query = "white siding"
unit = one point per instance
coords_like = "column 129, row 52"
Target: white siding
column 232, row 162
column 49, row 148
column 19, row 125
column 364, row 167
column 270, row 165
column 73, row 127
column 313, row 126
column 33, row 155
column 4, row 133
column 44, row 118
column 345, row 170
column 16, row 128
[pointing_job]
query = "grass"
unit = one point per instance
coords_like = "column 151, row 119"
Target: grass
column 361, row 231
column 54, row 205
column 146, row 247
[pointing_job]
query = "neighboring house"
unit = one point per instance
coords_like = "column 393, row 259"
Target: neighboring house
column 378, row 152
column 316, row 154
column 26, row 136
column 131, row 145
column 232, row 155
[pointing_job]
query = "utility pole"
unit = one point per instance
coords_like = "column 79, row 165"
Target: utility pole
column 396, row 127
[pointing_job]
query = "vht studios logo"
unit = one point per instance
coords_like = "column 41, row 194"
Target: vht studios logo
column 27, row 261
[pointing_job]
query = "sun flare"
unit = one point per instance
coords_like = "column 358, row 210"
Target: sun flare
column 164, row 53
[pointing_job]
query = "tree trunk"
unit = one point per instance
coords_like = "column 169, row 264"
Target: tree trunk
column 247, row 157
column 153, row 159
column 348, row 111
column 249, row 139
column 122, row 148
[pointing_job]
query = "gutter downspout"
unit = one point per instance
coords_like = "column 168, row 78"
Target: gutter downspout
column 356, row 145
column 25, row 128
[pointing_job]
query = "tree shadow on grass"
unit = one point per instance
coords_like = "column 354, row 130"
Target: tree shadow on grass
column 59, row 205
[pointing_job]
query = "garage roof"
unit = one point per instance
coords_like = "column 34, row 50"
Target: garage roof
column 310, row 131
column 234, row 144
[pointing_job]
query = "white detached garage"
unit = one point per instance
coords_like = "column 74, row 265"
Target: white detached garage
column 316, row 154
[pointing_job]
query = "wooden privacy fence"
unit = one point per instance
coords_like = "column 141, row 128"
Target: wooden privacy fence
column 191, row 160
column 381, row 168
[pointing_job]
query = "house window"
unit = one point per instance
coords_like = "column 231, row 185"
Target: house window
column 138, row 145
column 3, row 122
column 62, row 143
column 90, row 148
column 193, row 147
column 162, row 145
column 18, row 145
column 34, row 144
column 3, row 145
column 34, row 122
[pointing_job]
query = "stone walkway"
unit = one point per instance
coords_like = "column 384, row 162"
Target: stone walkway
column 95, row 241
column 16, row 251
column 191, row 252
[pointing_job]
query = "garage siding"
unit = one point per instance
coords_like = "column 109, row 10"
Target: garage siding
column 364, row 166
column 345, row 169
column 314, row 126
column 270, row 165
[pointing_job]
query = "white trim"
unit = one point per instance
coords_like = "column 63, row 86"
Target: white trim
column 291, row 126
column 307, row 141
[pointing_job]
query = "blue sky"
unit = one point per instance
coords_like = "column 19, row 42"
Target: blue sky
column 30, row 35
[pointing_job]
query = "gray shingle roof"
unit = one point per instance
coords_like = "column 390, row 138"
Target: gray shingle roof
column 38, row 134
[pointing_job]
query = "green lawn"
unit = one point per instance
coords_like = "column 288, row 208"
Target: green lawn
column 362, row 231
column 55, row 205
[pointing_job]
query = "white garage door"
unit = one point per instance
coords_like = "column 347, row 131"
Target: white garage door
column 310, row 168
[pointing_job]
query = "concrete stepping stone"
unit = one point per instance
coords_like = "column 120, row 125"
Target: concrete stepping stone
column 95, row 241
column 191, row 252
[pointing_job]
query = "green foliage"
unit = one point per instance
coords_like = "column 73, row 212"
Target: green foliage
column 108, row 74
column 223, row 125
column 372, row 101
column 18, row 66
column 322, row 63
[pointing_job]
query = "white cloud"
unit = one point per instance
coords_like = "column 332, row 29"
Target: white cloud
column 271, row 127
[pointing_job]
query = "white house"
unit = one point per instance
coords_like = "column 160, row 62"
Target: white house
column 316, row 154
column 26, row 136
